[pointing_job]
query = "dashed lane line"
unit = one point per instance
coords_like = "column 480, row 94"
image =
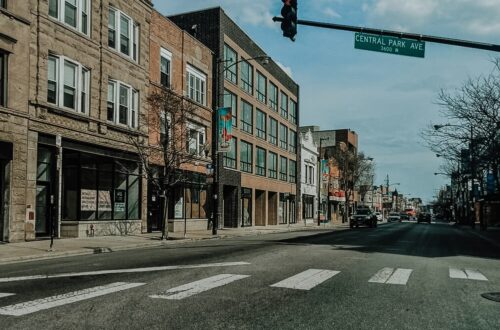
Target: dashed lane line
column 389, row 275
column 467, row 274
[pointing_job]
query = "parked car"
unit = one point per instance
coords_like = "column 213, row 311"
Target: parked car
column 393, row 216
column 404, row 216
column 363, row 216
column 379, row 216
column 424, row 217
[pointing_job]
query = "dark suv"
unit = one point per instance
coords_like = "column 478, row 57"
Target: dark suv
column 424, row 217
column 363, row 216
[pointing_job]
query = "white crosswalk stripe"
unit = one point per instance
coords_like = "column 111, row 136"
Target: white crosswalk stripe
column 307, row 279
column 6, row 294
column 467, row 274
column 64, row 299
column 389, row 275
column 196, row 287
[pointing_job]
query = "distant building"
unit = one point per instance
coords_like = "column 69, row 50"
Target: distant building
column 309, row 178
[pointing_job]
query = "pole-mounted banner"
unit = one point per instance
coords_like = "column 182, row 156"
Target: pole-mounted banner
column 224, row 129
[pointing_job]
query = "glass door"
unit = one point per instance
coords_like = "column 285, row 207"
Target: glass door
column 42, row 221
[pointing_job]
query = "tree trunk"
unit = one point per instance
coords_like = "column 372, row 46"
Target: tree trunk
column 164, row 227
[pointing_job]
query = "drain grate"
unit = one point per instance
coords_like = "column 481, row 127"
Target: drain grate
column 495, row 296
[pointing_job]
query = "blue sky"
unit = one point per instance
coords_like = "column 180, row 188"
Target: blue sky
column 386, row 99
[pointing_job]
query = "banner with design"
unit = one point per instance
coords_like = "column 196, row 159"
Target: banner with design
column 224, row 129
column 325, row 170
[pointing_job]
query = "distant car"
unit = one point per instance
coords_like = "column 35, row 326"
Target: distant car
column 404, row 216
column 363, row 216
column 424, row 217
column 379, row 216
column 393, row 216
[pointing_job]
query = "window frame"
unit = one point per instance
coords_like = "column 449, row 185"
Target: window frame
column 247, row 86
column 167, row 55
column 261, row 132
column 246, row 165
column 133, row 34
column 133, row 110
column 234, row 109
column 292, row 141
column 292, row 174
column 283, row 171
column 283, row 105
column 283, row 142
column 259, row 170
column 4, row 78
column 191, row 91
column 80, row 10
column 273, row 136
column 246, row 126
column 272, row 165
column 230, row 66
column 228, row 160
column 200, row 147
column 292, row 114
column 261, row 94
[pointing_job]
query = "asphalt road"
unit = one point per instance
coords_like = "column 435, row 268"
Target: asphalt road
column 397, row 276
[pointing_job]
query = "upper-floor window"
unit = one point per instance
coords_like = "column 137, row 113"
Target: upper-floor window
column 247, row 117
column 261, row 87
column 3, row 79
column 261, row 124
column 273, row 165
column 165, row 126
column 123, row 104
column 123, row 33
column 195, row 140
column 230, row 156
column 273, row 96
column 74, row 13
column 230, row 68
column 230, row 101
column 246, row 77
column 196, row 83
column 273, row 131
column 68, row 84
column 246, row 157
column 283, row 168
column 292, row 171
column 283, row 137
column 165, row 63
column 3, row 3
column 260, row 164
column 293, row 112
column 284, row 105
column 293, row 141
column 309, row 174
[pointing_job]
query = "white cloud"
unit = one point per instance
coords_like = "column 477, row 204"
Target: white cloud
column 287, row 69
column 331, row 13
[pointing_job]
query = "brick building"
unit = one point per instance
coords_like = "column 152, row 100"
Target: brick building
column 257, row 179
column 182, row 64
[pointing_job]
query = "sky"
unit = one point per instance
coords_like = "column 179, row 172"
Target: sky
column 387, row 99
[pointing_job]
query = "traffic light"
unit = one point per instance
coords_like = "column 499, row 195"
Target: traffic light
column 289, row 14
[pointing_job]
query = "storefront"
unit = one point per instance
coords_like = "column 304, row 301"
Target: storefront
column 246, row 207
column 307, row 207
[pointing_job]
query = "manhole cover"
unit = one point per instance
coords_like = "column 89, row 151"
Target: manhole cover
column 495, row 296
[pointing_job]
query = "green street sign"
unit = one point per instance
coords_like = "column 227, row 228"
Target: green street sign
column 391, row 45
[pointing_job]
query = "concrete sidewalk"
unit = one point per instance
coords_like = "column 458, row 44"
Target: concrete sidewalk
column 39, row 250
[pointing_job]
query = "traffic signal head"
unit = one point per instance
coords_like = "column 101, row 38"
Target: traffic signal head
column 289, row 23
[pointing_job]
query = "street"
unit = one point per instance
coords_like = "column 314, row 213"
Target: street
column 399, row 275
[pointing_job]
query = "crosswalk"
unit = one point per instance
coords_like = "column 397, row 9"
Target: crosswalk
column 305, row 280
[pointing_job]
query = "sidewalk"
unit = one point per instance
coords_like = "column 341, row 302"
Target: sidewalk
column 39, row 250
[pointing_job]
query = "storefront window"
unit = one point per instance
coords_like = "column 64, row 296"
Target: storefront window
column 190, row 198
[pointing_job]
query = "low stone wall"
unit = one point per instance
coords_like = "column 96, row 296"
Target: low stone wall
column 81, row 229
column 177, row 225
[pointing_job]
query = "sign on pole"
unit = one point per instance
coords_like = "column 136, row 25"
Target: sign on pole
column 224, row 129
column 391, row 45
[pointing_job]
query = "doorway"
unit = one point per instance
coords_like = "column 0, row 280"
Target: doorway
column 5, row 160
column 43, row 209
column 45, row 193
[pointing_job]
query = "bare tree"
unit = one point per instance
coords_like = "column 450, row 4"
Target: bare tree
column 164, row 154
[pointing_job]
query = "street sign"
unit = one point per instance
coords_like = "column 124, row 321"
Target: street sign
column 391, row 45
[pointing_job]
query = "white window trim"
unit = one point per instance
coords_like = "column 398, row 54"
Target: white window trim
column 60, row 60
column 132, row 105
column 168, row 56
column 200, row 129
column 60, row 15
column 133, row 35
column 200, row 75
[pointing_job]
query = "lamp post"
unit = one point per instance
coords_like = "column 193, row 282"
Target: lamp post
column 264, row 59
column 320, row 157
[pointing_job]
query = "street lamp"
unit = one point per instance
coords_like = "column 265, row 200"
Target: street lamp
column 319, row 177
column 264, row 60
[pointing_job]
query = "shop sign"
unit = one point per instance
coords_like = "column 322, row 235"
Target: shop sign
column 119, row 200
column 105, row 200
column 88, row 200
column 224, row 129
column 178, row 209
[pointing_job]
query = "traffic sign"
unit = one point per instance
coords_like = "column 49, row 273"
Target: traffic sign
column 391, row 45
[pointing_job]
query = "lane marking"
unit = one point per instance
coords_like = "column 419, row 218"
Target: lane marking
column 196, row 287
column 457, row 273
column 388, row 275
column 475, row 275
column 400, row 276
column 6, row 294
column 64, row 299
column 120, row 271
column 382, row 275
column 307, row 279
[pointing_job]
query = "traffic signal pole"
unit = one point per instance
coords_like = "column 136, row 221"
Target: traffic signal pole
column 412, row 36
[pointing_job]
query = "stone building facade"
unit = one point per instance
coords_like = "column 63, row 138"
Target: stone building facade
column 309, row 178
column 256, row 183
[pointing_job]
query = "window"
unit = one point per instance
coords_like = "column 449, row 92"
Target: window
column 246, row 157
column 261, row 87
column 165, row 62
column 246, row 77
column 261, row 124
column 230, row 102
column 293, row 112
column 122, row 104
column 196, row 85
column 230, row 156
column 273, row 131
column 293, row 141
column 3, row 3
column 68, row 84
column 284, row 105
column 3, row 79
column 123, row 34
column 292, row 165
column 165, row 122
column 283, row 168
column 309, row 174
column 230, row 68
column 260, row 165
column 273, row 96
column 273, row 165
column 74, row 13
column 247, row 117
column 283, row 137
column 195, row 140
